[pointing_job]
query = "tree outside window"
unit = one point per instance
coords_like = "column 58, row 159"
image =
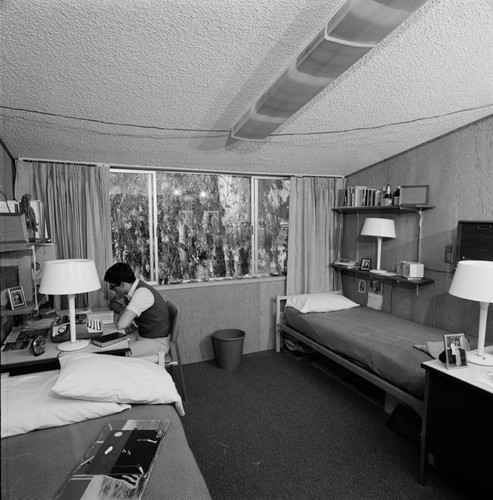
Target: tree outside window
column 182, row 226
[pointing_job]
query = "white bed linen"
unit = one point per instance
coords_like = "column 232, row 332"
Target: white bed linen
column 28, row 403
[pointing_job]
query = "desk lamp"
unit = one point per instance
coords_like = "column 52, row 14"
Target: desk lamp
column 68, row 277
column 473, row 280
column 380, row 228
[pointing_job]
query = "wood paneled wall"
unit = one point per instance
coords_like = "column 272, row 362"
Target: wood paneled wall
column 459, row 170
column 248, row 305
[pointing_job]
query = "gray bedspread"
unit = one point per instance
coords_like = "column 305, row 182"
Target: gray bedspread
column 381, row 342
column 35, row 465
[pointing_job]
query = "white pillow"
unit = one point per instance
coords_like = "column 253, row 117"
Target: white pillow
column 103, row 377
column 320, row 302
column 28, row 404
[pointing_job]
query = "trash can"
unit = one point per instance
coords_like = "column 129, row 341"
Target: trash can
column 228, row 348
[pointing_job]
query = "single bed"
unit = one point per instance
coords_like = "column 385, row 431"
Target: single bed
column 35, row 464
column 378, row 346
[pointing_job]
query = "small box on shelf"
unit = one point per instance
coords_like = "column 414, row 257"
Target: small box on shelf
column 13, row 228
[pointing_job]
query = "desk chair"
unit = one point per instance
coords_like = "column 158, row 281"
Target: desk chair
column 173, row 357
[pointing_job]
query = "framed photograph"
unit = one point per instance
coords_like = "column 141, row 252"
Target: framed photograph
column 365, row 264
column 16, row 297
column 414, row 195
column 455, row 350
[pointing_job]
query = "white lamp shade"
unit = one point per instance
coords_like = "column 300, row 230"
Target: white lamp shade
column 473, row 280
column 384, row 228
column 69, row 276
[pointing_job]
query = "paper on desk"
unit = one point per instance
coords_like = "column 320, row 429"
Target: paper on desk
column 487, row 378
column 38, row 324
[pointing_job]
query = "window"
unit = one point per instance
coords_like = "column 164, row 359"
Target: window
column 183, row 226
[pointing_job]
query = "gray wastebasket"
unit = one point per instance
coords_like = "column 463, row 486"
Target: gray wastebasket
column 228, row 347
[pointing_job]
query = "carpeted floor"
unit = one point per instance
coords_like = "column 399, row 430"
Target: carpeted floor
column 280, row 428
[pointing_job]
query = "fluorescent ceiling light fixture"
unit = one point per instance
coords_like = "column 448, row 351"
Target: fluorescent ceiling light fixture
column 356, row 28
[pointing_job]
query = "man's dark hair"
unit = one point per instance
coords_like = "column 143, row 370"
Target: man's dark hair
column 118, row 273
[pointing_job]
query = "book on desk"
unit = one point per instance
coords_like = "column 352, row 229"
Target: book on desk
column 108, row 339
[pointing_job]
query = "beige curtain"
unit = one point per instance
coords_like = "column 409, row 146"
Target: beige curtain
column 313, row 234
column 77, row 206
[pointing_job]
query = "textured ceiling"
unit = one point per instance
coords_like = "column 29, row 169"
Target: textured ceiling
column 162, row 82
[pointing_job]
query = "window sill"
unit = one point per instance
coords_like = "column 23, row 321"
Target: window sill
column 219, row 282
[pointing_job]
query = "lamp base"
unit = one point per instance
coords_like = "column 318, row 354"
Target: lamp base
column 485, row 360
column 73, row 346
column 378, row 271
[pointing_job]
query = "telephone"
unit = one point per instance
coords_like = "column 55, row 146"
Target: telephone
column 346, row 263
column 86, row 328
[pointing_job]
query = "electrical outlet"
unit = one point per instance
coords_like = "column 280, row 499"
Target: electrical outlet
column 449, row 254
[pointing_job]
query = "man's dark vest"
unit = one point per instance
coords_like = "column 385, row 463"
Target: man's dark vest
column 155, row 321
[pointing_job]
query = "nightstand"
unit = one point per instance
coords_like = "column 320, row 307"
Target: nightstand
column 457, row 421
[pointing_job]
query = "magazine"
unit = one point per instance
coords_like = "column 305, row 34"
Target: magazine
column 118, row 463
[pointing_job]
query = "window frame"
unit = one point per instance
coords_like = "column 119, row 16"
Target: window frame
column 153, row 209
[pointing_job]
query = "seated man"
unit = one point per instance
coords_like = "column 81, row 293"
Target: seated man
column 140, row 303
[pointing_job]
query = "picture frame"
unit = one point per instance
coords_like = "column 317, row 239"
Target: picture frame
column 455, row 350
column 365, row 264
column 414, row 195
column 17, row 298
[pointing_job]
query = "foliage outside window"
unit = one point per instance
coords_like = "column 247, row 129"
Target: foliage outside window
column 180, row 226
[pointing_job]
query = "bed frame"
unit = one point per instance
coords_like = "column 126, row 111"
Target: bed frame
column 393, row 394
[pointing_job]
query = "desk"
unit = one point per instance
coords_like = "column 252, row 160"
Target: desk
column 457, row 421
column 23, row 361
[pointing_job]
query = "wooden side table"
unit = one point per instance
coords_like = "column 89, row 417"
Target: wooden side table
column 457, row 425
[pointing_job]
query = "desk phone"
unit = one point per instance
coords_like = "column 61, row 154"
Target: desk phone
column 86, row 328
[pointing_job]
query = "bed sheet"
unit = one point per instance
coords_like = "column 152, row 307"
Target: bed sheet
column 35, row 465
column 381, row 342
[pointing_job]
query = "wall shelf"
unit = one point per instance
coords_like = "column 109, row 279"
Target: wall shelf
column 29, row 309
column 396, row 279
column 20, row 246
column 10, row 251
column 391, row 209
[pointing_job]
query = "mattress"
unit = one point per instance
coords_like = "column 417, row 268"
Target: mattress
column 35, row 465
column 380, row 342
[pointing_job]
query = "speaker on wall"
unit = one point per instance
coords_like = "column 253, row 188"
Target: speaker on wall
column 474, row 240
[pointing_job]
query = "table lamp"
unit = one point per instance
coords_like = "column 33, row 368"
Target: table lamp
column 69, row 277
column 380, row 228
column 473, row 280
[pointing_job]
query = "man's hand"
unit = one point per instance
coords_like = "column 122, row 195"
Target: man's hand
column 117, row 304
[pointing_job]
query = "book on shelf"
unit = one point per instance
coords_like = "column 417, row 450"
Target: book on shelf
column 108, row 339
column 362, row 196
column 39, row 211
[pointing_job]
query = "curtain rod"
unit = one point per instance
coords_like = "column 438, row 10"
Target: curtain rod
column 89, row 164
column 187, row 170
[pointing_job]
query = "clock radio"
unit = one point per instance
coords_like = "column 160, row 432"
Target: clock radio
column 409, row 269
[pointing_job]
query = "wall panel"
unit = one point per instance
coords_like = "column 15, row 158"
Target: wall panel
column 459, row 171
column 247, row 305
